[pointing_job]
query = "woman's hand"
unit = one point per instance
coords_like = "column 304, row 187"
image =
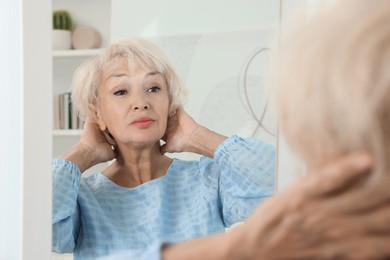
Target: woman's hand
column 179, row 130
column 185, row 135
column 92, row 148
column 324, row 215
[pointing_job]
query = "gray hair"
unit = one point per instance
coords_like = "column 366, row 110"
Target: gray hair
column 334, row 81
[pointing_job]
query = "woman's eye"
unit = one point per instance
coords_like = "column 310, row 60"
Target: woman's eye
column 120, row 92
column 154, row 89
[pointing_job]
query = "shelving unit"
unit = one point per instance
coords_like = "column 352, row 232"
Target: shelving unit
column 71, row 132
column 94, row 13
column 75, row 53
column 66, row 61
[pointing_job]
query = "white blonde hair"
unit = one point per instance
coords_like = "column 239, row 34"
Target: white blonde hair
column 139, row 54
column 334, row 81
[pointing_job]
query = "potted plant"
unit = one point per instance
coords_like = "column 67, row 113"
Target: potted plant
column 62, row 30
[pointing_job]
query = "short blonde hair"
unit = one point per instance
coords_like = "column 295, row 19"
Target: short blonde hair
column 140, row 54
column 334, row 79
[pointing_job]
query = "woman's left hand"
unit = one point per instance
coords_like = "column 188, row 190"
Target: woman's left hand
column 179, row 130
column 185, row 135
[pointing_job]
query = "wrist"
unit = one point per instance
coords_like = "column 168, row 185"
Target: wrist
column 204, row 141
column 246, row 242
column 81, row 155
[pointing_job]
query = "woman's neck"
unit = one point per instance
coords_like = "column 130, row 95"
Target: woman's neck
column 133, row 167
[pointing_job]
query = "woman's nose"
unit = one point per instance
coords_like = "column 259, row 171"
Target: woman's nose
column 140, row 107
column 140, row 101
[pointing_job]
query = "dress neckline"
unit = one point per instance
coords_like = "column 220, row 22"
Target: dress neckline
column 141, row 186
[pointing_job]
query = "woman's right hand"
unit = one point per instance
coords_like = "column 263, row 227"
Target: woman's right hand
column 92, row 148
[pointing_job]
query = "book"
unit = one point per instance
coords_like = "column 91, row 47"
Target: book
column 65, row 115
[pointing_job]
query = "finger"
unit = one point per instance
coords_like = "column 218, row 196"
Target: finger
column 171, row 126
column 335, row 223
column 358, row 247
column 109, row 138
column 362, row 198
column 338, row 175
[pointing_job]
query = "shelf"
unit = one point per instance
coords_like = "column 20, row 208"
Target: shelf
column 67, row 132
column 75, row 53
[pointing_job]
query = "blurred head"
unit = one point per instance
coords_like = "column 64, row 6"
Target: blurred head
column 335, row 83
column 138, row 54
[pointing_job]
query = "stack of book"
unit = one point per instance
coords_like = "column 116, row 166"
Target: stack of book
column 65, row 115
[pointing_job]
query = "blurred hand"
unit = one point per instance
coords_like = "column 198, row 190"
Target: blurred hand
column 324, row 215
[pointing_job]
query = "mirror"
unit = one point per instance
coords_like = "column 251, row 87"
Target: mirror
column 221, row 49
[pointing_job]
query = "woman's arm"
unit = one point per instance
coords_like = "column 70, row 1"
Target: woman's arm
column 65, row 218
column 247, row 176
column 91, row 149
column 308, row 220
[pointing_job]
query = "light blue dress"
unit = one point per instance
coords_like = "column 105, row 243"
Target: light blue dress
column 94, row 217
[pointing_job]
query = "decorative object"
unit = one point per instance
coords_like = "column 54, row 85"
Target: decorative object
column 62, row 30
column 86, row 37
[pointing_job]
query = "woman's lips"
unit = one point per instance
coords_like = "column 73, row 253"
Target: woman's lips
column 143, row 122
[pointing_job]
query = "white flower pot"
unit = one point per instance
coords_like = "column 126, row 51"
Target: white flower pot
column 62, row 39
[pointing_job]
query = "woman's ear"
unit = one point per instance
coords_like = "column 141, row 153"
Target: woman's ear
column 96, row 117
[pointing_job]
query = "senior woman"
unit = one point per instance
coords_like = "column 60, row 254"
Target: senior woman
column 132, row 99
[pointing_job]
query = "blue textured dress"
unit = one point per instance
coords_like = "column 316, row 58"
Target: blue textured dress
column 94, row 217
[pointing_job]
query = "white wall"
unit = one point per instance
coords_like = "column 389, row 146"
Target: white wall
column 10, row 141
column 37, row 144
column 173, row 17
column 25, row 179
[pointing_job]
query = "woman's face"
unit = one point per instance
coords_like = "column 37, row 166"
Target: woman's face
column 133, row 105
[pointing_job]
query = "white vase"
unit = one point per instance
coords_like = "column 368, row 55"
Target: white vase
column 62, row 39
column 86, row 37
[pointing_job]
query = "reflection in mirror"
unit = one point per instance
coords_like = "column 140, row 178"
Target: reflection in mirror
column 221, row 54
column 220, row 160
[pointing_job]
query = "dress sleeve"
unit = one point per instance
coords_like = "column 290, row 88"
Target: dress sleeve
column 66, row 184
column 247, row 176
